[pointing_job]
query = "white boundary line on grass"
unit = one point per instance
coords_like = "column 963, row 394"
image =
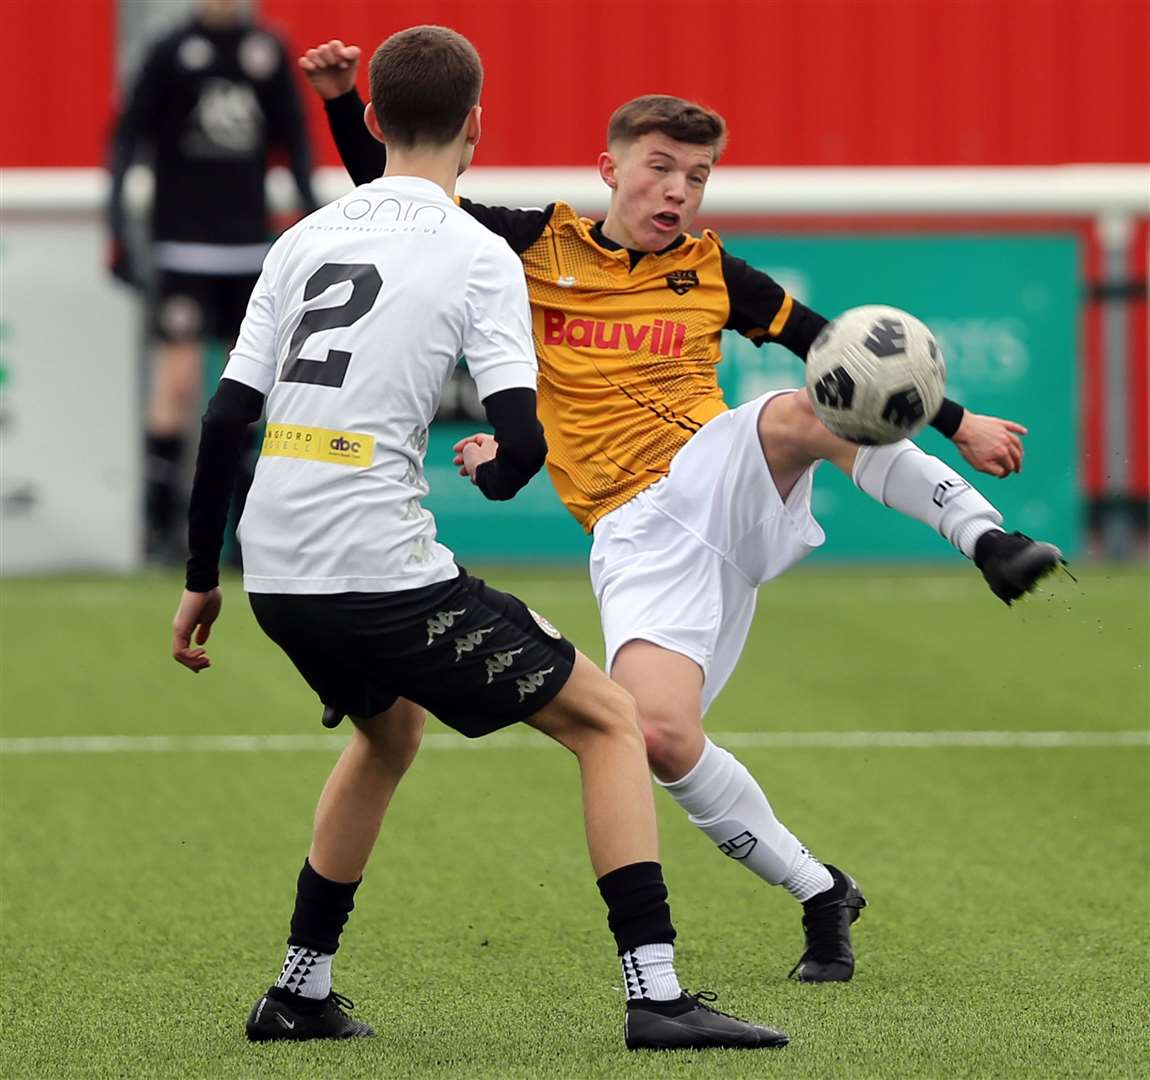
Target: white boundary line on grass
column 524, row 740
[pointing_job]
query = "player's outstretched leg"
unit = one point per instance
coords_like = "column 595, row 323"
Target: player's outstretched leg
column 595, row 719
column 916, row 484
column 301, row 1004
column 727, row 804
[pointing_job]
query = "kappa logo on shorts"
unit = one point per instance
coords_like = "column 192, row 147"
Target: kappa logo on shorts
column 441, row 622
column 499, row 663
column 544, row 625
column 528, row 684
column 468, row 642
column 739, row 847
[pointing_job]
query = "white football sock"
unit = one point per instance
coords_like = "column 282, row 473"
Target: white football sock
column 306, row 972
column 649, row 973
column 902, row 477
column 723, row 799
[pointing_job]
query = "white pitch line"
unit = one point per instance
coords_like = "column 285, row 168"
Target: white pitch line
column 523, row 740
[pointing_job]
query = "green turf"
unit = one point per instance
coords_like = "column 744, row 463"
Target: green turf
column 145, row 896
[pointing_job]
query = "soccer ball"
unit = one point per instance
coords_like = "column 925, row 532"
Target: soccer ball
column 875, row 375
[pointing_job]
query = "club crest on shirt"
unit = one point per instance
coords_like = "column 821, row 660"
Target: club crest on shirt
column 681, row 282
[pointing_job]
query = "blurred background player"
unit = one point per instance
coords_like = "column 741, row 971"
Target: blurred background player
column 341, row 560
column 212, row 98
column 645, row 453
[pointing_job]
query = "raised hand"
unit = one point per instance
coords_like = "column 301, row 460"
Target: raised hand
column 331, row 68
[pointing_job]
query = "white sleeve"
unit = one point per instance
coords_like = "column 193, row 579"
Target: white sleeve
column 253, row 360
column 497, row 339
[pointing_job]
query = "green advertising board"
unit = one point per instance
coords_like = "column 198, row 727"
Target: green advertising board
column 1005, row 308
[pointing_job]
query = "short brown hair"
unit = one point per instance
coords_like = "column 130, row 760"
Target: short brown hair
column 675, row 117
column 424, row 81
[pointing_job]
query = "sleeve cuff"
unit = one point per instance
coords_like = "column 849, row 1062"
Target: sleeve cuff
column 243, row 369
column 948, row 417
column 510, row 376
column 200, row 576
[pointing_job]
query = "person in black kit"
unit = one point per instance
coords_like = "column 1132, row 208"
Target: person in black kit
column 211, row 98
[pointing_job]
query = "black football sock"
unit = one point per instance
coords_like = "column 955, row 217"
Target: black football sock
column 321, row 910
column 640, row 919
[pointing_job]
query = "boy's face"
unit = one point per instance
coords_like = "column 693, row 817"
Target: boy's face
column 657, row 184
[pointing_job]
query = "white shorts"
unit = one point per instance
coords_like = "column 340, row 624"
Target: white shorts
column 679, row 565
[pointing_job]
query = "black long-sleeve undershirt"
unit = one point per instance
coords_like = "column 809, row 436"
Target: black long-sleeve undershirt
column 522, row 447
column 233, row 408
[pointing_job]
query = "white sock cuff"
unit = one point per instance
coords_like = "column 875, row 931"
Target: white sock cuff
column 807, row 878
column 696, row 772
column 967, row 534
column 649, row 973
column 710, row 786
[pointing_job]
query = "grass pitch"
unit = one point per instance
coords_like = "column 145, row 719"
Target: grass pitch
column 146, row 894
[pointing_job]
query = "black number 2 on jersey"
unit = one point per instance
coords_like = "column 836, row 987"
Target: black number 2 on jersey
column 365, row 286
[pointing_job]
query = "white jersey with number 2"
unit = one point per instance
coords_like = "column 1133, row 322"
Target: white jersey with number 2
column 359, row 317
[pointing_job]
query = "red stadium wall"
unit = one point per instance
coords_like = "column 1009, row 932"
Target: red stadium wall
column 57, row 85
column 814, row 82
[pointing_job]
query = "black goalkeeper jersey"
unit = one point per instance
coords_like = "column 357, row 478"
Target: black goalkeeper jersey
column 208, row 104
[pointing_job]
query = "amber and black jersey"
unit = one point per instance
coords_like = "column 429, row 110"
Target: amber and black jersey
column 628, row 342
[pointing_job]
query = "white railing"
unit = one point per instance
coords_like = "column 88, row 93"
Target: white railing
column 1087, row 190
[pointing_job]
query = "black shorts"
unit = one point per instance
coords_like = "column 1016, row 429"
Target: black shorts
column 191, row 307
column 477, row 658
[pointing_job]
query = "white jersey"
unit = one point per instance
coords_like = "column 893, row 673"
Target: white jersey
column 358, row 319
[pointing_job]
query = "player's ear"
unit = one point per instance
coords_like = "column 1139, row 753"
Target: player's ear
column 474, row 124
column 372, row 122
column 609, row 169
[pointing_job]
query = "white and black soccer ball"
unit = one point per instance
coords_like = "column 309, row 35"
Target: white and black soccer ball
column 875, row 375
